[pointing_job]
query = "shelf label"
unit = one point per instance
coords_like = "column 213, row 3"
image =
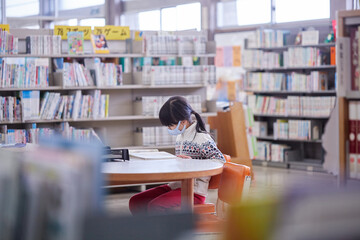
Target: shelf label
column 63, row 30
column 5, row 27
column 264, row 164
column 310, row 168
column 113, row 32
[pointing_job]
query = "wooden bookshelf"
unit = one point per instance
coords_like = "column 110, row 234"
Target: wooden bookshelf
column 122, row 122
column 344, row 20
column 309, row 149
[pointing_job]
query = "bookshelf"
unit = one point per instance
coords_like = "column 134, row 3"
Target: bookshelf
column 347, row 25
column 272, row 73
column 118, row 128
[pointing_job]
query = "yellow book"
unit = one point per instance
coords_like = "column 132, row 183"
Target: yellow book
column 107, row 105
column 99, row 44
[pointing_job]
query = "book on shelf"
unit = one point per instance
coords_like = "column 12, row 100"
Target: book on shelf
column 10, row 109
column 30, row 102
column 292, row 105
column 151, row 105
column 354, row 139
column 99, row 44
column 75, row 42
column 260, row 129
column 24, row 72
column 167, row 75
column 43, row 45
column 104, row 74
column 174, row 44
column 315, row 81
column 293, row 57
column 8, row 43
column 267, row 38
column 345, row 67
column 268, row 151
column 281, row 129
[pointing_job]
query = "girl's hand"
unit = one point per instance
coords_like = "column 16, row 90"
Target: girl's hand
column 183, row 156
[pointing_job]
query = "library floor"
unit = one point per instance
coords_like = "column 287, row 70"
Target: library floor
column 266, row 180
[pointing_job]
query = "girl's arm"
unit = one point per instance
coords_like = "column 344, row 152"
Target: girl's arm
column 209, row 150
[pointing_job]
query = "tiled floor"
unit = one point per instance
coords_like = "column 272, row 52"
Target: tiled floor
column 267, row 180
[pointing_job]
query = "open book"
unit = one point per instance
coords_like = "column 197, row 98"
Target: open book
column 152, row 155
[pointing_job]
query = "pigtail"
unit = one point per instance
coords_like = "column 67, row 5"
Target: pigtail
column 200, row 125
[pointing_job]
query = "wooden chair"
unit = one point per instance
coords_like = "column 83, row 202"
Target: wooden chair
column 235, row 179
column 213, row 184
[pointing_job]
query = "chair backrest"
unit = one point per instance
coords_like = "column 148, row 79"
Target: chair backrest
column 215, row 180
column 233, row 179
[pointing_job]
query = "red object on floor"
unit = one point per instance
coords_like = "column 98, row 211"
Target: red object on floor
column 159, row 200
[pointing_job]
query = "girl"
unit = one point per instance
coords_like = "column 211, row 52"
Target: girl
column 192, row 141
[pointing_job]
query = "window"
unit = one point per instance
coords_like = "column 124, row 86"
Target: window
column 22, row 8
column 72, row 4
column 226, row 16
column 149, row 21
column 295, row 10
column 131, row 20
column 251, row 12
column 168, row 19
column 181, row 17
column 93, row 22
column 188, row 16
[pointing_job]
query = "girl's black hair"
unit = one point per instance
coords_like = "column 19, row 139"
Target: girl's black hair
column 178, row 109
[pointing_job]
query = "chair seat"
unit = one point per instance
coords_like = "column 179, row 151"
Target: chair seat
column 209, row 223
column 204, row 208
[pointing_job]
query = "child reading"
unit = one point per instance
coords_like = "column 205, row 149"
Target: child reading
column 192, row 141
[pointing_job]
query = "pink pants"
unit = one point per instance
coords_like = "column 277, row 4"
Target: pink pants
column 159, row 200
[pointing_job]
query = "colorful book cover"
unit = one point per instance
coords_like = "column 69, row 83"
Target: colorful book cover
column 76, row 42
column 99, row 43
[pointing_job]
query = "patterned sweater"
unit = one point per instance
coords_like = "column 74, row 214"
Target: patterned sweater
column 197, row 146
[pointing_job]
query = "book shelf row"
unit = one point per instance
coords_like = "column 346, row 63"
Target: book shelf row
column 292, row 130
column 291, row 82
column 28, row 106
column 292, row 105
column 286, row 69
column 292, row 58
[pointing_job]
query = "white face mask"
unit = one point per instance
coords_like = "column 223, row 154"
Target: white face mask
column 176, row 131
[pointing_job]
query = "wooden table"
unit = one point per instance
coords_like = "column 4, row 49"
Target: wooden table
column 146, row 171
